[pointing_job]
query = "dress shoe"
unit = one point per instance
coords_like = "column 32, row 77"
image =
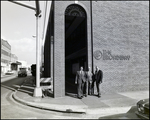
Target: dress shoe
column 80, row 97
column 85, row 95
column 99, row 95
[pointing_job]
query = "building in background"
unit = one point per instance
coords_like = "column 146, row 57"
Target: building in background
column 14, row 58
column 23, row 64
column 14, row 62
column 5, row 56
column 9, row 61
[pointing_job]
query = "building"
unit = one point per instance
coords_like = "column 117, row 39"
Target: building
column 113, row 35
column 14, row 58
column 14, row 62
column 23, row 63
column 8, row 60
column 5, row 56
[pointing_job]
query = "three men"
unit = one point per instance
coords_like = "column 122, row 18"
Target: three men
column 88, row 79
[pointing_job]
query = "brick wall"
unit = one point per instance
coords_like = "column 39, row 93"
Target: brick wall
column 120, row 28
column 123, row 28
column 59, row 43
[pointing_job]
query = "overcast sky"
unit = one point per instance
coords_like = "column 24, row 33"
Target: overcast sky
column 18, row 25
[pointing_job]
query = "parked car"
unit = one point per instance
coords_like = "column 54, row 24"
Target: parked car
column 9, row 72
column 22, row 72
column 143, row 108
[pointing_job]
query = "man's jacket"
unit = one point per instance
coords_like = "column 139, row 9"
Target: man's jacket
column 80, row 77
column 99, row 76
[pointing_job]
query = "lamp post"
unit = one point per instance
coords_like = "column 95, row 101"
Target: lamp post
column 37, row 90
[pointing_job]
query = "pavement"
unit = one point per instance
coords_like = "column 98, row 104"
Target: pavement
column 107, row 104
column 7, row 77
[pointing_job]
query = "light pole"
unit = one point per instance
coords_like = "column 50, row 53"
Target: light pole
column 37, row 90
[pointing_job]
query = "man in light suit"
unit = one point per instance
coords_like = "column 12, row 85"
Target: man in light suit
column 89, row 81
column 80, row 81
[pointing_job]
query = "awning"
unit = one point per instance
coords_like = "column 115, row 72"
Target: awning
column 17, row 63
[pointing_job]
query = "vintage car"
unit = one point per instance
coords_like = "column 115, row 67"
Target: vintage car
column 143, row 108
column 22, row 72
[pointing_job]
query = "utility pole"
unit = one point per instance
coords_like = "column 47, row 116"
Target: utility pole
column 37, row 90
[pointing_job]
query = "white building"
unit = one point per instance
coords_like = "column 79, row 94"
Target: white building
column 23, row 64
column 5, row 56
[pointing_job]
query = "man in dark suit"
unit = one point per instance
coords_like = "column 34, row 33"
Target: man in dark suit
column 80, row 81
column 98, row 79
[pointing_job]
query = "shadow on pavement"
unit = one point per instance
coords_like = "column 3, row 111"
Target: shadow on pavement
column 12, row 84
column 22, row 84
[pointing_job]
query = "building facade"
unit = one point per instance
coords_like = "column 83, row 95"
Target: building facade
column 23, row 63
column 5, row 56
column 14, row 62
column 8, row 60
column 113, row 35
column 14, row 58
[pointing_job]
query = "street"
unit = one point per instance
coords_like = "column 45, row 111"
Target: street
column 14, row 110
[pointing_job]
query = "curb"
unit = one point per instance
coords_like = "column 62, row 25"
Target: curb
column 74, row 109
column 51, row 107
column 108, row 111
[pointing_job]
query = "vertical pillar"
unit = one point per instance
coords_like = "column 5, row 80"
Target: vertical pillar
column 52, row 56
column 59, row 65
column 37, row 90
column 91, row 15
column 59, row 53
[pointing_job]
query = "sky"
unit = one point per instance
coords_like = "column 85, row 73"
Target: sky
column 18, row 26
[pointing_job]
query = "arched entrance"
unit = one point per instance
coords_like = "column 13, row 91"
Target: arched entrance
column 75, row 44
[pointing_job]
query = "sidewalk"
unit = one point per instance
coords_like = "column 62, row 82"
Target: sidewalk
column 8, row 77
column 107, row 104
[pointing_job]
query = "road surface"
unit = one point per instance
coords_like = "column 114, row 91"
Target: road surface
column 10, row 109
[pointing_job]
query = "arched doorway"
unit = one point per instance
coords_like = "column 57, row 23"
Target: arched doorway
column 75, row 44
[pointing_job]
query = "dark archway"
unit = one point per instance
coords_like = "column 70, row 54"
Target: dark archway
column 75, row 44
